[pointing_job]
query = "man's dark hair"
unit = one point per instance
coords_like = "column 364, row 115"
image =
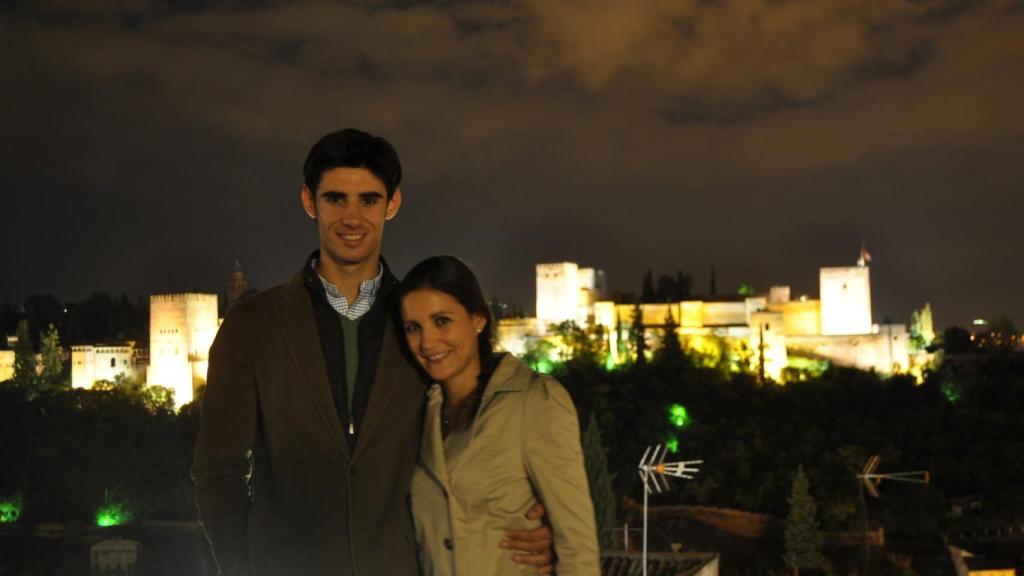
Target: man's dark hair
column 351, row 148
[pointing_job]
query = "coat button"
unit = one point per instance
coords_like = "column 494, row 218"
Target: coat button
column 449, row 544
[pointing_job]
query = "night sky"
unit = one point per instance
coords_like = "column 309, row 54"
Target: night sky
column 147, row 144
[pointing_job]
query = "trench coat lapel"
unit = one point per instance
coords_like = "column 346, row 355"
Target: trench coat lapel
column 511, row 375
column 295, row 314
column 432, row 443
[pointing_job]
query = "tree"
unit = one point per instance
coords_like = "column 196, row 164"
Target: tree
column 922, row 329
column 576, row 342
column 670, row 355
column 25, row 375
column 1002, row 333
column 803, row 541
column 956, row 340
column 684, row 285
column 666, row 291
column 154, row 398
column 638, row 336
column 595, row 458
column 52, row 354
column 647, row 293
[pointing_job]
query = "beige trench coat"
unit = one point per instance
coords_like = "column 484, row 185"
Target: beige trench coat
column 524, row 446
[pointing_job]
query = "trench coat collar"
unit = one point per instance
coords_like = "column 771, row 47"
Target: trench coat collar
column 295, row 314
column 511, row 375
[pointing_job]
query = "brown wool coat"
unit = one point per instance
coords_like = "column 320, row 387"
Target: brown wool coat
column 524, row 446
column 279, row 490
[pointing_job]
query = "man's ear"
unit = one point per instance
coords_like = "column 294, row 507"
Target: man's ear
column 308, row 202
column 394, row 204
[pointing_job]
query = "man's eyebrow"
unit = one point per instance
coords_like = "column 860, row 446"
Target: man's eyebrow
column 371, row 194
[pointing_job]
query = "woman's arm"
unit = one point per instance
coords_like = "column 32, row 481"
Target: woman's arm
column 554, row 463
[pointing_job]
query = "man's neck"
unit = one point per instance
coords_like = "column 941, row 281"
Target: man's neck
column 347, row 277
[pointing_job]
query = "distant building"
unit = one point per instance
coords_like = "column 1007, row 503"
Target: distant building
column 761, row 330
column 566, row 292
column 6, row 365
column 94, row 362
column 237, row 285
column 181, row 329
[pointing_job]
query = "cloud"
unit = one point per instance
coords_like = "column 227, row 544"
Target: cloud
column 742, row 85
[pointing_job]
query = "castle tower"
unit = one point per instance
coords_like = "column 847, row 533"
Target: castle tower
column 846, row 299
column 237, row 285
column 181, row 330
column 558, row 293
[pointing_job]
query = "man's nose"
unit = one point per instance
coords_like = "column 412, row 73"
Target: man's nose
column 350, row 214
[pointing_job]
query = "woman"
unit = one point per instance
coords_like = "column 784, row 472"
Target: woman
column 496, row 437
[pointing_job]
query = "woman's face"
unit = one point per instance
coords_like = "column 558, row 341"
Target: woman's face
column 442, row 335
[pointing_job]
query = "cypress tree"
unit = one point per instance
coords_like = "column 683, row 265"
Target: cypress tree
column 647, row 293
column 637, row 333
column 53, row 360
column 25, row 360
column 803, row 540
column 595, row 458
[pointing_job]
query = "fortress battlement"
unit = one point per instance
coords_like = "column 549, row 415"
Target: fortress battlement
column 183, row 297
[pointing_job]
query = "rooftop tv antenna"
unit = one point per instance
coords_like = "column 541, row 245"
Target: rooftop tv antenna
column 871, row 478
column 654, row 472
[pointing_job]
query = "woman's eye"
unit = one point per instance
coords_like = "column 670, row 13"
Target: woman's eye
column 410, row 328
column 442, row 320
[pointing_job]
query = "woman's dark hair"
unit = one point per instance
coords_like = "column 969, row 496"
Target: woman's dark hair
column 451, row 276
column 351, row 148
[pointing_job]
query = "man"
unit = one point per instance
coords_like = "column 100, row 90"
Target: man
column 312, row 414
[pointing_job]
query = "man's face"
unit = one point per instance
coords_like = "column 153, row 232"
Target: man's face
column 350, row 207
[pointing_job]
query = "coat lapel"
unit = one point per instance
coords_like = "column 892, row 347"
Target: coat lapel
column 510, row 376
column 295, row 314
column 431, row 443
column 388, row 375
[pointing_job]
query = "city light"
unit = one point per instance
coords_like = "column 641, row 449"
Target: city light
column 672, row 444
column 678, row 416
column 543, row 366
column 112, row 514
column 10, row 510
column 950, row 392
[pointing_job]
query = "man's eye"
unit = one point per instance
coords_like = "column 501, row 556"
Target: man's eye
column 332, row 198
column 370, row 201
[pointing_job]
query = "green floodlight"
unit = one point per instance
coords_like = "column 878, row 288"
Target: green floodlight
column 112, row 514
column 678, row 416
column 950, row 392
column 10, row 510
column 672, row 445
column 544, row 366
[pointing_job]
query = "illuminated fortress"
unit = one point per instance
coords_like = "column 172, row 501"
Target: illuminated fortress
column 769, row 332
column 181, row 329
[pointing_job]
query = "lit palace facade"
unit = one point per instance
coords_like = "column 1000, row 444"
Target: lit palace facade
column 769, row 331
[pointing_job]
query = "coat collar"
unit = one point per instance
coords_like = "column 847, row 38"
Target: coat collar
column 511, row 375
